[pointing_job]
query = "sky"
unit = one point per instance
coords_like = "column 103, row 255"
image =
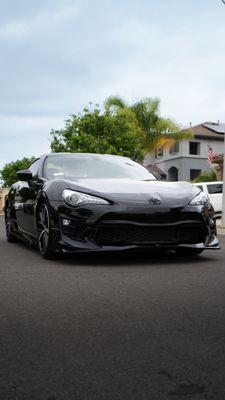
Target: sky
column 56, row 56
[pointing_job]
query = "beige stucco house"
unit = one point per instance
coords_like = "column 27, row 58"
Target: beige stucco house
column 218, row 161
column 3, row 193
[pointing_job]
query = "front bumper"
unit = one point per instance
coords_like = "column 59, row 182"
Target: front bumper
column 76, row 246
column 92, row 229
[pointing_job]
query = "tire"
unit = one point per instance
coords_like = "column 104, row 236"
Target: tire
column 45, row 234
column 188, row 252
column 9, row 230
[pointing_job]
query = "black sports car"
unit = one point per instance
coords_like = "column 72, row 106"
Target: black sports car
column 89, row 202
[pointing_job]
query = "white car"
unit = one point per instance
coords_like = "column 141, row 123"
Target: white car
column 214, row 191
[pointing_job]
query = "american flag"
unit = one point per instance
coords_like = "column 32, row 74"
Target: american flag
column 211, row 155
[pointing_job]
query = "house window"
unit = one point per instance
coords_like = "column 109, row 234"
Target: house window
column 159, row 152
column 194, row 148
column 194, row 173
column 175, row 148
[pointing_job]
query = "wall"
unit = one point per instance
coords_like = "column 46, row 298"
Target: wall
column 216, row 145
column 184, row 161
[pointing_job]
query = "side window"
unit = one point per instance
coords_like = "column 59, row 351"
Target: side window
column 200, row 187
column 215, row 188
column 34, row 168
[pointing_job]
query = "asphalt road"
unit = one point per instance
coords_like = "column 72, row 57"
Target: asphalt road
column 126, row 327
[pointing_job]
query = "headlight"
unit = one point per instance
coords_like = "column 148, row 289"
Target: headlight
column 201, row 199
column 74, row 198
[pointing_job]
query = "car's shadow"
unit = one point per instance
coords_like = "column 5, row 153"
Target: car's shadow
column 131, row 258
column 134, row 258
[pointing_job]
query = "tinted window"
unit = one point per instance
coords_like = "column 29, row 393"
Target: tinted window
column 34, row 168
column 200, row 187
column 215, row 188
column 78, row 166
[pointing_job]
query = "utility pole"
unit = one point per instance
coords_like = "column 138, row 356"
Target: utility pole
column 223, row 203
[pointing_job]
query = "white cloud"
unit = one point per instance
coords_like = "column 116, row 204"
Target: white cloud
column 184, row 69
column 25, row 136
column 14, row 30
column 45, row 19
column 57, row 56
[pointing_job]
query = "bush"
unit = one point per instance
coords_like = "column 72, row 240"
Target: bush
column 206, row 176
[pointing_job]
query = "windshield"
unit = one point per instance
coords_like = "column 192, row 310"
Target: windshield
column 78, row 166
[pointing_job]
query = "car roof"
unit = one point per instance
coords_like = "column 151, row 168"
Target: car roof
column 208, row 183
column 84, row 155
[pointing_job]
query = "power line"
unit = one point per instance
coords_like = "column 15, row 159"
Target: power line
column 223, row 1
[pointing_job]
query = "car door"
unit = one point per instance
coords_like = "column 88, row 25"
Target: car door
column 25, row 200
column 215, row 193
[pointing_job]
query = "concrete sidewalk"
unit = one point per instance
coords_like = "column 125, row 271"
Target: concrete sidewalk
column 221, row 231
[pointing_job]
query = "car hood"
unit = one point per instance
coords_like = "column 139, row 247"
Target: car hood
column 167, row 194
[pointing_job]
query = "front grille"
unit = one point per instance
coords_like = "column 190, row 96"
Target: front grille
column 172, row 216
column 134, row 235
column 145, row 235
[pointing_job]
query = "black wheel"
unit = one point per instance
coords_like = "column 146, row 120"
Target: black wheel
column 45, row 235
column 188, row 252
column 9, row 226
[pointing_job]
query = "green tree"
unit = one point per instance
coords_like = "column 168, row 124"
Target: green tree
column 94, row 131
column 122, row 129
column 156, row 131
column 8, row 172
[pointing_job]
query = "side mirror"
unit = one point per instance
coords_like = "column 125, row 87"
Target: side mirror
column 40, row 183
column 24, row 175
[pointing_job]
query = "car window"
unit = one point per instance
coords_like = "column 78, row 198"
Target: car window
column 200, row 187
column 215, row 188
column 34, row 168
column 78, row 166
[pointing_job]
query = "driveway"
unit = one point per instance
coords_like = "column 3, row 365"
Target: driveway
column 132, row 326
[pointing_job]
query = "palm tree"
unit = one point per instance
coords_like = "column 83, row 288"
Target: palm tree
column 157, row 131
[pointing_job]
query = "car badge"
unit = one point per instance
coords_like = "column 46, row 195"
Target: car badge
column 155, row 201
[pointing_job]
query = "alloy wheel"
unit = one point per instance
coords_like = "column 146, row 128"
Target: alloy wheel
column 43, row 228
column 9, row 227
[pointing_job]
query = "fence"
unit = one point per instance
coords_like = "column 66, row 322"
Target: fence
column 3, row 193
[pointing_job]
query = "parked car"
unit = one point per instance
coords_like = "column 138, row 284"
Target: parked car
column 91, row 202
column 214, row 190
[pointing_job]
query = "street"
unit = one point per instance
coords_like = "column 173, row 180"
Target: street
column 107, row 327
